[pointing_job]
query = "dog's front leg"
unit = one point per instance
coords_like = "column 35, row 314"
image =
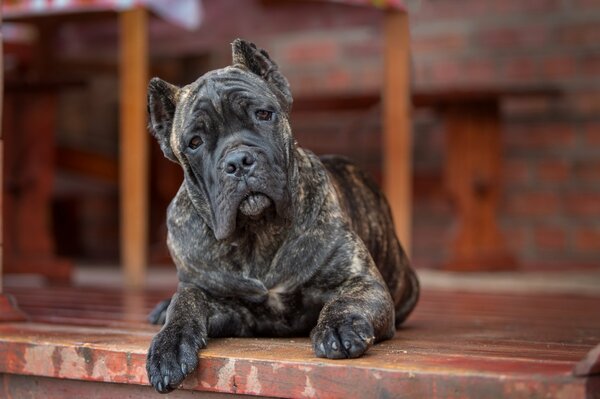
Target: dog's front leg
column 173, row 353
column 360, row 314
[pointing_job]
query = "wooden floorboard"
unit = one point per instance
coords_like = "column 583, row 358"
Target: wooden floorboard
column 456, row 344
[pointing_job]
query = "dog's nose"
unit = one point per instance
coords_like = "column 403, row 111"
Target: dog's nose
column 239, row 163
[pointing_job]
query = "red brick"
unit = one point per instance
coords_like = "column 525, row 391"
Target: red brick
column 443, row 42
column 449, row 9
column 583, row 34
column 588, row 240
column 533, row 203
column 550, row 238
column 592, row 133
column 516, row 172
column 585, row 103
column 521, row 68
column 588, row 171
column 338, row 79
column 590, row 65
column 518, row 240
column 559, row 67
column 517, row 6
column 585, row 4
column 324, row 51
column 527, row 36
column 539, row 136
column 365, row 49
column 584, row 204
column 445, row 72
column 478, row 71
column 555, row 171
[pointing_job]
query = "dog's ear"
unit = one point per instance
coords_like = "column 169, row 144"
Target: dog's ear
column 162, row 100
column 257, row 61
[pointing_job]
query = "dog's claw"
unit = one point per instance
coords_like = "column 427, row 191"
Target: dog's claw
column 348, row 339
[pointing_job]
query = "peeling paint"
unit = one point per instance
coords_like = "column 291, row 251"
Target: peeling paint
column 309, row 390
column 226, row 376
column 252, row 382
column 37, row 361
column 276, row 366
column 73, row 365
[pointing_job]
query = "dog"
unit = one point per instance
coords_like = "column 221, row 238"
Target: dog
column 268, row 239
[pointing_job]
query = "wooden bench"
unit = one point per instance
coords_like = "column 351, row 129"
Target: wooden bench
column 83, row 341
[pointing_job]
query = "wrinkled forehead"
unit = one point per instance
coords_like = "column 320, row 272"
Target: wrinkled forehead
column 224, row 86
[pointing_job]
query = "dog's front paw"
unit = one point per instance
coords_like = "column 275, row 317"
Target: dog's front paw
column 347, row 338
column 173, row 354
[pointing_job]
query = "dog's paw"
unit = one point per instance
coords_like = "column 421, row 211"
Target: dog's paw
column 347, row 338
column 173, row 354
column 159, row 313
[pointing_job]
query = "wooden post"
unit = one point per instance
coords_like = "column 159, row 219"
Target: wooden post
column 397, row 140
column 133, row 64
column 8, row 307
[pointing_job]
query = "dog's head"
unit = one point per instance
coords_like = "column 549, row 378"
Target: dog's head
column 229, row 131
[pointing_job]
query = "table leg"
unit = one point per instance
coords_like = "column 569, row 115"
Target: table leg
column 133, row 145
column 397, row 140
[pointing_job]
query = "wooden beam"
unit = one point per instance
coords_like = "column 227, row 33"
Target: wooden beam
column 133, row 69
column 397, row 140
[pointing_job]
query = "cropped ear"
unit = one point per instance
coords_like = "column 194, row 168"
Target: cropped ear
column 162, row 101
column 257, row 61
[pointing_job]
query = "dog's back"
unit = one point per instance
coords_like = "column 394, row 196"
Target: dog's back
column 370, row 217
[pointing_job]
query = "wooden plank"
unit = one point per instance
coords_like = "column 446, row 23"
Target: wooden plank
column 473, row 179
column 397, row 140
column 19, row 386
column 455, row 345
column 133, row 68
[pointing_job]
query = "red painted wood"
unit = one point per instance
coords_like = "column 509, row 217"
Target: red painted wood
column 455, row 345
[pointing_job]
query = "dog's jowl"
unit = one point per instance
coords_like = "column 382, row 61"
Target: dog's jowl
column 268, row 239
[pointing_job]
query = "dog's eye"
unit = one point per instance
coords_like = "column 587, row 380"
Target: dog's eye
column 195, row 142
column 264, row 115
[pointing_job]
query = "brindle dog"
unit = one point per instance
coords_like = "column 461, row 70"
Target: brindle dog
column 268, row 239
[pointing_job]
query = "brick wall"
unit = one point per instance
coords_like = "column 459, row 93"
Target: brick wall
column 551, row 204
column 550, row 208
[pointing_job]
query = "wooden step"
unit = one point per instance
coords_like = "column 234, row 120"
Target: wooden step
column 455, row 345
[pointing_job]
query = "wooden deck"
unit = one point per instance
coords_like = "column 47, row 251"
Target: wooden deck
column 93, row 341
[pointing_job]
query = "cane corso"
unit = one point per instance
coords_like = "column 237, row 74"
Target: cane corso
column 268, row 239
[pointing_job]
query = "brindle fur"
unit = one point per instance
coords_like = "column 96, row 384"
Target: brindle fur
column 320, row 257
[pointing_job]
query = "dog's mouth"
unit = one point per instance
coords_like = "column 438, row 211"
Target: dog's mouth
column 254, row 204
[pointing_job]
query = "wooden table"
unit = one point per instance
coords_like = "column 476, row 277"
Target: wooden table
column 468, row 345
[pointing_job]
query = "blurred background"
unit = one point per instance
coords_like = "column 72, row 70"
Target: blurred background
column 531, row 68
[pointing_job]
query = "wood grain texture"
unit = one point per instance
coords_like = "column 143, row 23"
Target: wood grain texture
column 455, row 345
column 134, row 141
